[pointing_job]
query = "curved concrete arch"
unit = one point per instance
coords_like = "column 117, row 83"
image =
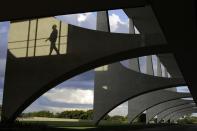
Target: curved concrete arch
column 121, row 84
column 152, row 112
column 169, row 111
column 178, row 111
column 180, row 114
column 36, row 75
column 151, row 99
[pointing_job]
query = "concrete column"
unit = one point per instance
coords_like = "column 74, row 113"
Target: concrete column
column 131, row 27
column 103, row 21
column 133, row 63
column 166, row 75
column 165, row 72
column 159, row 71
column 149, row 65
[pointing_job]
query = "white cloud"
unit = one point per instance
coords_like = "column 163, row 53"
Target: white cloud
column 74, row 96
column 85, row 20
column 83, row 17
column 118, row 25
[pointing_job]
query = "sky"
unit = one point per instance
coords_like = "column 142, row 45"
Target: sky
column 4, row 27
column 77, row 92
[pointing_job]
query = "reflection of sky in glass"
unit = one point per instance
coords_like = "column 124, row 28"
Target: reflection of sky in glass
column 3, row 52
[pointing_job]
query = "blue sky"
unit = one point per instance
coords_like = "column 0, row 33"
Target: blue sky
column 4, row 27
column 77, row 92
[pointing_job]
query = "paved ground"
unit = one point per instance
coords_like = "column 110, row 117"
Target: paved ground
column 166, row 127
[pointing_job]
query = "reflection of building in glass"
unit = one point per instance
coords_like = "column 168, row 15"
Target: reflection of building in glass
column 27, row 38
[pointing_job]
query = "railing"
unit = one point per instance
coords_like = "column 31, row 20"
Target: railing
column 24, row 50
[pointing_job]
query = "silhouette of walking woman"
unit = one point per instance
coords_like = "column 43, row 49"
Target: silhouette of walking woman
column 52, row 39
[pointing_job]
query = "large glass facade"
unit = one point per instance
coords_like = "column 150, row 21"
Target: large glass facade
column 28, row 38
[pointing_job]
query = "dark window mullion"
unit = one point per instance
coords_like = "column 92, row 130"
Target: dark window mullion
column 60, row 27
column 29, row 28
column 35, row 37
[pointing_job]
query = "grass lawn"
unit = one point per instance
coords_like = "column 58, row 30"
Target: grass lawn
column 68, row 123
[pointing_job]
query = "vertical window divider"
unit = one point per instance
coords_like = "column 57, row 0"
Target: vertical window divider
column 29, row 27
column 60, row 27
column 35, row 37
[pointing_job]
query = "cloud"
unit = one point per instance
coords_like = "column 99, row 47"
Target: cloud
column 75, row 93
column 85, row 20
column 57, row 100
column 83, row 17
column 118, row 25
column 76, row 96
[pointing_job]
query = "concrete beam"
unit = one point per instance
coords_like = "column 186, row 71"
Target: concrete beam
column 102, row 23
column 36, row 8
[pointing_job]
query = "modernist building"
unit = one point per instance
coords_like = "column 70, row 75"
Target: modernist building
column 31, row 71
